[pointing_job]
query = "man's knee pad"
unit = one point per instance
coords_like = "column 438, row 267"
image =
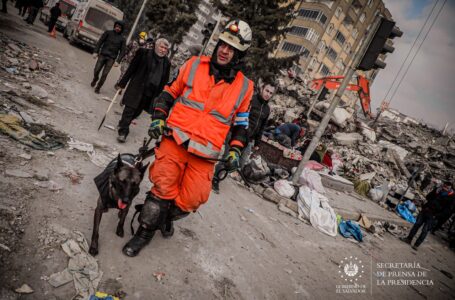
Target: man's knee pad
column 175, row 213
column 154, row 212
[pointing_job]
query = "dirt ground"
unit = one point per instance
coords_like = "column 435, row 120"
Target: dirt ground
column 237, row 246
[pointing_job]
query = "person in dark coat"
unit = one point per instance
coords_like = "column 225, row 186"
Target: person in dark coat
column 259, row 115
column 109, row 50
column 35, row 6
column 55, row 13
column 288, row 134
column 437, row 201
column 147, row 75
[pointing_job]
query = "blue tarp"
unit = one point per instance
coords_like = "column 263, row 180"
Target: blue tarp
column 404, row 212
column 349, row 228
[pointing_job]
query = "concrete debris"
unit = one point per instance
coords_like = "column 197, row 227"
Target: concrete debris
column 4, row 247
column 33, row 65
column 24, row 289
column 26, row 117
column 18, row 173
column 39, row 92
column 50, row 185
column 347, row 139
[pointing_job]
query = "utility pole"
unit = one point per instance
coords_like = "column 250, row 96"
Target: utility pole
column 130, row 35
column 336, row 99
column 314, row 101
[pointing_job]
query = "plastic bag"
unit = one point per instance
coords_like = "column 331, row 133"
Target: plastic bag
column 312, row 179
column 284, row 188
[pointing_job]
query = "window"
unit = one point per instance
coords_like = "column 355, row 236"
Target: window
column 312, row 63
column 290, row 47
column 305, row 53
column 340, row 38
column 314, row 15
column 99, row 19
column 204, row 9
column 332, row 54
column 324, row 70
column 340, row 65
column 330, row 29
column 338, row 12
column 307, row 33
column 347, row 48
column 362, row 18
column 355, row 33
column 321, row 46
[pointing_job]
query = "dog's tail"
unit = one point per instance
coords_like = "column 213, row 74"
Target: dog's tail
column 138, row 208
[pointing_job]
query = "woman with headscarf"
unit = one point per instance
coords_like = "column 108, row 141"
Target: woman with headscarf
column 147, row 75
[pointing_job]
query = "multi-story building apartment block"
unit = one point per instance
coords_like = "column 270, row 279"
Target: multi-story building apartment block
column 327, row 33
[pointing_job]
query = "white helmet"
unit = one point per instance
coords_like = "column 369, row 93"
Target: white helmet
column 237, row 34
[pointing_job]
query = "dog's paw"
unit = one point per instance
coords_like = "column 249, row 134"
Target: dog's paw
column 93, row 251
column 120, row 232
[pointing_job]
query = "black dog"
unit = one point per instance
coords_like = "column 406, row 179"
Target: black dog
column 118, row 184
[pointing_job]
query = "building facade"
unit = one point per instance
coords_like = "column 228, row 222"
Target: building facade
column 206, row 13
column 327, row 33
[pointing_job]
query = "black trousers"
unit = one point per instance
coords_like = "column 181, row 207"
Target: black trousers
column 441, row 220
column 32, row 15
column 425, row 220
column 131, row 113
column 51, row 24
column 104, row 63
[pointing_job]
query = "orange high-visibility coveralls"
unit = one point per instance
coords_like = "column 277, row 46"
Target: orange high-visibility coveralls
column 201, row 117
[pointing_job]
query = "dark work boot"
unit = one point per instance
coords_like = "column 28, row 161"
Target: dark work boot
column 121, row 138
column 97, row 90
column 406, row 240
column 93, row 83
column 141, row 239
column 167, row 229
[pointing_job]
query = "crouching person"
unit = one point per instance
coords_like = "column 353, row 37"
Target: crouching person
column 208, row 97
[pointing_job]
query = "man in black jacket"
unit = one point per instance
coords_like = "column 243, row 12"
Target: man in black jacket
column 147, row 75
column 257, row 120
column 259, row 114
column 110, row 48
column 55, row 13
column 437, row 201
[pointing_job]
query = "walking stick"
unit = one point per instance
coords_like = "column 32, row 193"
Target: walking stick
column 109, row 108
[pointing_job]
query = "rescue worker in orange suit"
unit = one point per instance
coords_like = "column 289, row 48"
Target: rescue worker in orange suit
column 209, row 97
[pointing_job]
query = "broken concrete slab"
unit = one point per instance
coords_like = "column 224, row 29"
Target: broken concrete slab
column 18, row 173
column 347, row 139
column 39, row 92
column 336, row 182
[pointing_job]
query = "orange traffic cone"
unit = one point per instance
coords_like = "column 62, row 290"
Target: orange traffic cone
column 53, row 33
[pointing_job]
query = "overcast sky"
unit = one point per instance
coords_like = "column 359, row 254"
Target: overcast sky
column 428, row 90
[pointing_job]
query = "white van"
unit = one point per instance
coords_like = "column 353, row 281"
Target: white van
column 68, row 7
column 90, row 20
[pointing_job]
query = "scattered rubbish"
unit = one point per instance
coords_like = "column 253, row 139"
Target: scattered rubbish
column 11, row 125
column 250, row 210
column 364, row 222
column 350, row 229
column 39, row 92
column 312, row 179
column 109, row 127
column 159, row 275
column 82, row 267
column 25, row 156
column 284, row 188
column 60, row 278
column 50, row 185
column 103, row 296
column 404, row 212
column 4, row 247
column 315, row 207
column 24, row 289
column 74, row 176
column 12, row 70
column 41, row 175
column 81, row 146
